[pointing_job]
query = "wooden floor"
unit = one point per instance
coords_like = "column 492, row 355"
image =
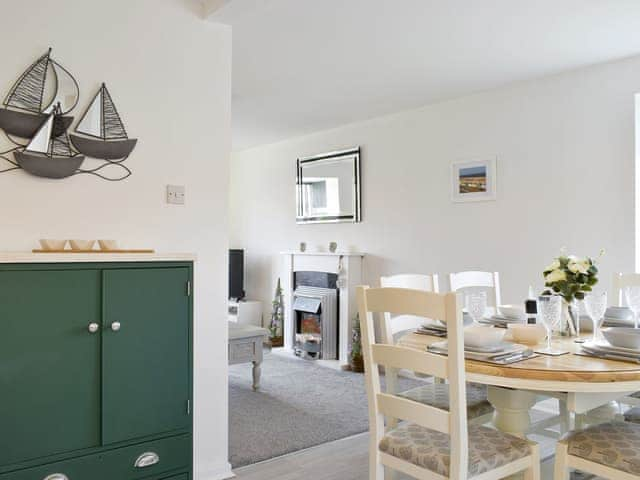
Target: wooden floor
column 344, row 459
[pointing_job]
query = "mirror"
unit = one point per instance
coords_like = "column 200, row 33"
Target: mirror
column 328, row 187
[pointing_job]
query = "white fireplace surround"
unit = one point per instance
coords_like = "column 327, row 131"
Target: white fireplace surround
column 349, row 268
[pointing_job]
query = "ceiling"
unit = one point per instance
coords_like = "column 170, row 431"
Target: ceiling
column 300, row 66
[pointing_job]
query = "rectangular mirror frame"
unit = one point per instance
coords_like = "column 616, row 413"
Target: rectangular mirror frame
column 317, row 159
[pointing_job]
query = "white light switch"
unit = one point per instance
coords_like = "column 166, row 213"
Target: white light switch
column 175, row 194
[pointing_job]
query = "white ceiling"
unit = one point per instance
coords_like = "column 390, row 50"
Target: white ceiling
column 301, row 66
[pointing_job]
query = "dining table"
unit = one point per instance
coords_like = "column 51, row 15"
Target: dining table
column 581, row 382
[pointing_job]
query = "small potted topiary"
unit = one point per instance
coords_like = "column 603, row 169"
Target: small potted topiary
column 355, row 359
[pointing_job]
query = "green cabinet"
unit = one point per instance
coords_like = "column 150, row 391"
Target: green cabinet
column 95, row 370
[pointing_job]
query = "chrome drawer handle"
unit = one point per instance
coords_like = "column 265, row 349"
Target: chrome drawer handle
column 147, row 459
column 115, row 326
column 93, row 328
column 56, row 476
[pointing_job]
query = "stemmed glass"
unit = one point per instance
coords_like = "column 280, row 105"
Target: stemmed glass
column 476, row 303
column 596, row 305
column 549, row 311
column 632, row 294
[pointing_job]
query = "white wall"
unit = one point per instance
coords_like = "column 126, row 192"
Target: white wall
column 169, row 74
column 565, row 149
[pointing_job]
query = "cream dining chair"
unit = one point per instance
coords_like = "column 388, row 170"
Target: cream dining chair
column 488, row 281
column 431, row 443
column 620, row 282
column 479, row 410
column 609, row 450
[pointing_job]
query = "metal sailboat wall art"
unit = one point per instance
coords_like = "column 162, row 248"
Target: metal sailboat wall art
column 26, row 106
column 36, row 109
column 48, row 155
column 101, row 122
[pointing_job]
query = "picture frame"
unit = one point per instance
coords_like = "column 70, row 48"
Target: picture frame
column 473, row 180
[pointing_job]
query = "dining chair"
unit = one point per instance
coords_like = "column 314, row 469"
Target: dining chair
column 610, row 450
column 431, row 442
column 489, row 281
column 479, row 410
column 620, row 282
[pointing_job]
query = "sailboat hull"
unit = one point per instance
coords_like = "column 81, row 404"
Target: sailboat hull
column 25, row 125
column 41, row 166
column 104, row 150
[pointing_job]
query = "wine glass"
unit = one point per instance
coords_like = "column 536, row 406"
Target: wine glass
column 632, row 295
column 596, row 304
column 549, row 311
column 476, row 303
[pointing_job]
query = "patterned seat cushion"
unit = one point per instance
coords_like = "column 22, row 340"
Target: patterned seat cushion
column 614, row 444
column 426, row 448
column 437, row 395
column 632, row 415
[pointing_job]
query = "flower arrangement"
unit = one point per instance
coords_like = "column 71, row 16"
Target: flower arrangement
column 570, row 277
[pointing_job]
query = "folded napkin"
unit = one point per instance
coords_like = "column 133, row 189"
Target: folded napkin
column 502, row 354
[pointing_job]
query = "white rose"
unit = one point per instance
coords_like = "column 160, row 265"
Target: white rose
column 579, row 265
column 556, row 276
column 555, row 265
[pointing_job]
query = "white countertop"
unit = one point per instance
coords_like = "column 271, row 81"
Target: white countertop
column 29, row 257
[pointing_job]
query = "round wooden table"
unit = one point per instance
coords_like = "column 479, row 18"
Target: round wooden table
column 582, row 382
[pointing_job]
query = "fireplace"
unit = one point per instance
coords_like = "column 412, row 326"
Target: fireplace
column 315, row 307
column 339, row 272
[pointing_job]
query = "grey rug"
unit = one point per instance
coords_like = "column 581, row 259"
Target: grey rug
column 299, row 405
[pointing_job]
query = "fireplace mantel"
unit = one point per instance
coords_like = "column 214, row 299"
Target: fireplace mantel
column 349, row 268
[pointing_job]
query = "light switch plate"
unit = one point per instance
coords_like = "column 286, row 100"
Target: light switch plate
column 175, row 194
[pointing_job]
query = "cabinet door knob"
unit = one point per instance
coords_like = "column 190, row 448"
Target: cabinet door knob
column 56, row 476
column 93, row 327
column 115, row 326
column 147, row 459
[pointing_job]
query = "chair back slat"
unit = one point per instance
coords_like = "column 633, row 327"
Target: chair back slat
column 622, row 281
column 424, row 415
column 402, row 301
column 414, row 360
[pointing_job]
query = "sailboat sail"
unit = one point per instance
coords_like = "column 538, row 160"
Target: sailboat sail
column 60, row 146
column 112, row 125
column 27, row 92
column 101, row 120
column 40, row 142
column 91, row 122
column 67, row 91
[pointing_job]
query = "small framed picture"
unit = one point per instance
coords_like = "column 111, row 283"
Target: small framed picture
column 473, row 180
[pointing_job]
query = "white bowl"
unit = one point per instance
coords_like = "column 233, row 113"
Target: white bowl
column 52, row 244
column 108, row 244
column 481, row 336
column 529, row 334
column 512, row 311
column 623, row 337
column 81, row 244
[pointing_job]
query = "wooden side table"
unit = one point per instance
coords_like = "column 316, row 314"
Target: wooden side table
column 245, row 345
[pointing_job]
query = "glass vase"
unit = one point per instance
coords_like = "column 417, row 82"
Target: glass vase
column 570, row 323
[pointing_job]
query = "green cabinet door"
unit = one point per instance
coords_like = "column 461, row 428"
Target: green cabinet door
column 49, row 363
column 145, row 352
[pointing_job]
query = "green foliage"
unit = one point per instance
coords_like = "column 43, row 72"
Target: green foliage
column 356, row 339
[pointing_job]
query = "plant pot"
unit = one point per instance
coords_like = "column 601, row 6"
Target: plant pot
column 277, row 341
column 357, row 364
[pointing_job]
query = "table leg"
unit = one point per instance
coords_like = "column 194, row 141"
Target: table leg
column 257, row 370
column 511, row 409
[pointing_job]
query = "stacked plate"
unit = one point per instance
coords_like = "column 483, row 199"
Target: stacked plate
column 502, row 353
column 506, row 314
column 602, row 349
